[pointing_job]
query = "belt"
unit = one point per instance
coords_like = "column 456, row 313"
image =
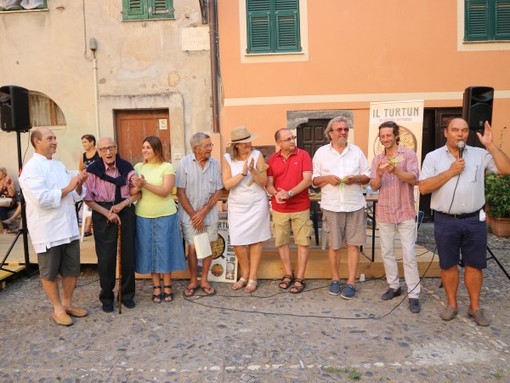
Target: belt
column 461, row 216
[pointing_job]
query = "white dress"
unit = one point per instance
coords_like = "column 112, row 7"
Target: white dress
column 248, row 208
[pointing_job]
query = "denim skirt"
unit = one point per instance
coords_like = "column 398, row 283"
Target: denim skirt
column 158, row 245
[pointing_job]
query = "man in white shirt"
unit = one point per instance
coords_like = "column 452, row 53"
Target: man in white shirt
column 339, row 169
column 50, row 193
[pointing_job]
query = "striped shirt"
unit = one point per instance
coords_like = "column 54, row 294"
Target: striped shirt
column 99, row 190
column 200, row 184
column 396, row 197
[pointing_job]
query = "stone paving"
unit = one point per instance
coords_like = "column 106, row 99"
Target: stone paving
column 270, row 336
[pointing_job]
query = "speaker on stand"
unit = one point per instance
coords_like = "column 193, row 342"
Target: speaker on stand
column 15, row 117
column 476, row 109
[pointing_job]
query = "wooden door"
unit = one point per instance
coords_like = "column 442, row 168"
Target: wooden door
column 133, row 126
column 434, row 121
column 310, row 135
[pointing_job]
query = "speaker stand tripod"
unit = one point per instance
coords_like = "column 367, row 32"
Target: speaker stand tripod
column 497, row 261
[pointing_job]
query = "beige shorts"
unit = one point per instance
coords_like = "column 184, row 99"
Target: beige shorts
column 345, row 228
column 188, row 232
column 299, row 223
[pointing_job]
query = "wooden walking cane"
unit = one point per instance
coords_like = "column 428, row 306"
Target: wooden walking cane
column 119, row 263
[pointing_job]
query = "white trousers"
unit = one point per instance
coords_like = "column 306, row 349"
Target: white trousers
column 407, row 233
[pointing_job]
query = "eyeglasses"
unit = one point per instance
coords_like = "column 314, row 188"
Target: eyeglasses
column 339, row 130
column 207, row 146
column 106, row 148
column 292, row 138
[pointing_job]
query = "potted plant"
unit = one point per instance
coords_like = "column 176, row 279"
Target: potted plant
column 497, row 197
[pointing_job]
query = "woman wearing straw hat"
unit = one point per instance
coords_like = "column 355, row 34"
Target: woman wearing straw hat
column 245, row 177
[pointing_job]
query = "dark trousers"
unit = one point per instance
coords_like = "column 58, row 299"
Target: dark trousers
column 105, row 236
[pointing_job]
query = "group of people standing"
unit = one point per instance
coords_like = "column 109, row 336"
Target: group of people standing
column 151, row 232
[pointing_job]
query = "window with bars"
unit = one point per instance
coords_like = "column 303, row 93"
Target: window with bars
column 487, row 20
column 147, row 9
column 273, row 26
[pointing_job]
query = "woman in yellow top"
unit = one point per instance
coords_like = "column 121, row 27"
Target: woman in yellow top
column 158, row 243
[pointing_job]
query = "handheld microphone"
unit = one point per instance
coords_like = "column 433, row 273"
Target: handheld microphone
column 461, row 145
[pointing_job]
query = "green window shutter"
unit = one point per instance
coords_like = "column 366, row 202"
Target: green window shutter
column 487, row 20
column 147, row 9
column 273, row 26
column 259, row 32
column 161, row 9
column 134, row 9
column 502, row 24
column 476, row 20
column 259, row 25
column 287, row 31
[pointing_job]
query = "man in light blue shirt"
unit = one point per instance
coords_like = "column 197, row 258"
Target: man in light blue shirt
column 199, row 185
column 454, row 174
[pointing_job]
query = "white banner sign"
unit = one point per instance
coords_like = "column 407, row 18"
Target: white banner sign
column 407, row 114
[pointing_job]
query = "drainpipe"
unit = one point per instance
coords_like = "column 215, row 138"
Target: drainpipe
column 213, row 39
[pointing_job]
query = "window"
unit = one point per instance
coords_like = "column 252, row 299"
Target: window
column 487, row 20
column 147, row 9
column 44, row 111
column 22, row 5
column 273, row 26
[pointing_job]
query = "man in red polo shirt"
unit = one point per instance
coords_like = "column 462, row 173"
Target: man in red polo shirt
column 289, row 176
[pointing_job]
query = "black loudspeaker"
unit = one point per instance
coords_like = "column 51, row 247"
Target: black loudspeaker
column 15, row 114
column 477, row 106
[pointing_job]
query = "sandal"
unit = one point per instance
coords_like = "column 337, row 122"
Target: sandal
column 298, row 286
column 156, row 298
column 286, row 281
column 168, row 297
column 239, row 284
column 251, row 286
column 189, row 291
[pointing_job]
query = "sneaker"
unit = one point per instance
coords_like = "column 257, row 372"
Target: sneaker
column 448, row 313
column 414, row 305
column 334, row 288
column 348, row 291
column 479, row 317
column 390, row 294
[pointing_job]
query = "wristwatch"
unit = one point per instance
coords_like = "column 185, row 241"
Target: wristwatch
column 290, row 193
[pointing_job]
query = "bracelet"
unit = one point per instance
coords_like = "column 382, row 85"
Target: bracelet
column 244, row 174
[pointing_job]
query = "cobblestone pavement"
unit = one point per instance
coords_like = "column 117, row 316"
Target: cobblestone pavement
column 271, row 336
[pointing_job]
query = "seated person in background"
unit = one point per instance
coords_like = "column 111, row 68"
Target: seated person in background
column 7, row 190
column 9, row 221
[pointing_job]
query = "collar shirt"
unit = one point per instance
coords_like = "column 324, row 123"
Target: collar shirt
column 200, row 184
column 51, row 219
column 396, row 198
column 99, row 190
column 352, row 161
column 287, row 173
column 468, row 195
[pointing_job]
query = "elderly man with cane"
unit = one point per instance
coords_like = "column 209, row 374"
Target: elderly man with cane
column 108, row 195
